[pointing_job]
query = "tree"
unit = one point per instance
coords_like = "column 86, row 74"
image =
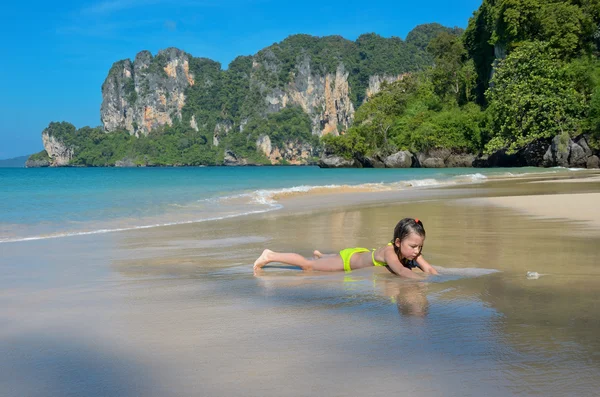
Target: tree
column 422, row 35
column 453, row 74
column 531, row 97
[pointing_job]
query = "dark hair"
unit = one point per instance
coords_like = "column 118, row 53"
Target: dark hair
column 405, row 227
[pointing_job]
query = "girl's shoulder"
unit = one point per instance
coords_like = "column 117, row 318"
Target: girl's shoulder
column 386, row 248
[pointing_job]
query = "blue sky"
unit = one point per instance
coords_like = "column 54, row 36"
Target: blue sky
column 55, row 55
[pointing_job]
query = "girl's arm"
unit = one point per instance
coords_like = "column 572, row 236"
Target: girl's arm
column 396, row 267
column 425, row 266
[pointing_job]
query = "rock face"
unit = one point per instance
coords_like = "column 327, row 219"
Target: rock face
column 60, row 154
column 402, row 159
column 325, row 98
column 221, row 129
column 565, row 152
column 375, row 82
column 593, row 162
column 36, row 163
column 293, row 153
column 338, row 162
column 125, row 163
column 560, row 151
column 231, row 159
column 149, row 92
column 444, row 158
column 438, row 158
column 460, row 160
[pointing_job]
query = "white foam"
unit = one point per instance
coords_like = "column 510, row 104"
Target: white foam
column 476, row 176
column 465, row 272
column 267, row 196
column 522, row 174
column 568, row 168
column 124, row 229
column 423, row 182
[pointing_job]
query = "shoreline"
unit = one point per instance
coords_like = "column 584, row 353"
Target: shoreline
column 307, row 199
column 486, row 190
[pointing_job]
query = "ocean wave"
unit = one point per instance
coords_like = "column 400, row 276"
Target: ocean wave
column 130, row 228
column 428, row 182
column 272, row 196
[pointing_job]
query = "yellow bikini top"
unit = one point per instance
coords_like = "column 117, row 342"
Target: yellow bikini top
column 377, row 263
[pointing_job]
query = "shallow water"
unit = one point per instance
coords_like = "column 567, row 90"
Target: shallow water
column 55, row 202
column 177, row 310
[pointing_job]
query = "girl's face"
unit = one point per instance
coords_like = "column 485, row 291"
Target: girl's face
column 411, row 246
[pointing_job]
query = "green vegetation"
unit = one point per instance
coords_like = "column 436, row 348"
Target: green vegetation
column 371, row 54
column 179, row 144
column 421, row 35
column 544, row 83
column 533, row 97
column 40, row 156
column 427, row 110
column 289, row 125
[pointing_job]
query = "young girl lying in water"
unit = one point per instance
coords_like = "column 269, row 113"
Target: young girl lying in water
column 399, row 256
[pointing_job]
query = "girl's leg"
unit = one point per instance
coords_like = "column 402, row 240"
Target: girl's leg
column 328, row 264
column 317, row 254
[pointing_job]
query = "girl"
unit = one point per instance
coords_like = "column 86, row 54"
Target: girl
column 399, row 256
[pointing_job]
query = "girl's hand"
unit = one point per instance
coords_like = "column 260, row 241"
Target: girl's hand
column 425, row 266
column 396, row 267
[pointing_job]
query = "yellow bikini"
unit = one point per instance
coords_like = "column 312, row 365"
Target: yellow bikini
column 348, row 252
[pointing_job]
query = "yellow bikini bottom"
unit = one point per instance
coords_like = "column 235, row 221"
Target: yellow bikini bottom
column 347, row 253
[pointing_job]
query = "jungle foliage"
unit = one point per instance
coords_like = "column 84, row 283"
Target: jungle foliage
column 522, row 70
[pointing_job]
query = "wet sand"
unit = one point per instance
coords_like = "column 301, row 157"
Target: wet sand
column 177, row 310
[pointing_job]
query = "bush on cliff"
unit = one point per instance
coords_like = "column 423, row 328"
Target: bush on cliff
column 531, row 97
column 39, row 157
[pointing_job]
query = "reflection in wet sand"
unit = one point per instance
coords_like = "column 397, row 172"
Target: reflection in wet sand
column 411, row 299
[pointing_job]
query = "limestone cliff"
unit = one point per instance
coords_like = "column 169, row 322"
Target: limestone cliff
column 325, row 98
column 150, row 92
column 59, row 153
column 327, row 77
column 147, row 93
column 293, row 153
column 375, row 82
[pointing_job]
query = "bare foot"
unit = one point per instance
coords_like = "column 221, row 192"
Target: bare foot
column 317, row 254
column 263, row 259
column 258, row 272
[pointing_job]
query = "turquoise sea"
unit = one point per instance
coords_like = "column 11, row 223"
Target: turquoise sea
column 57, row 202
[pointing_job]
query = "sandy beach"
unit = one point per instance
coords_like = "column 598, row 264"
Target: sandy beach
column 581, row 207
column 178, row 311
